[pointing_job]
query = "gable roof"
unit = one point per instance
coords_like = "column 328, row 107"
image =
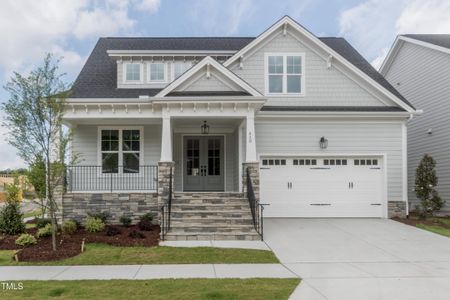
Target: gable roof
column 439, row 42
column 209, row 62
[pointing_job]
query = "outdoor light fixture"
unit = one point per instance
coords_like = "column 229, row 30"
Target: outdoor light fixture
column 205, row 128
column 323, row 143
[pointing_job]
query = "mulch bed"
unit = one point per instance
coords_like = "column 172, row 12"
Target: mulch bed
column 413, row 220
column 70, row 245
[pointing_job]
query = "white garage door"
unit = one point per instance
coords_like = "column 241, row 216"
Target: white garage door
column 322, row 186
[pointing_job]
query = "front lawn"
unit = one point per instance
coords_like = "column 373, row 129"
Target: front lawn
column 102, row 254
column 439, row 225
column 156, row 289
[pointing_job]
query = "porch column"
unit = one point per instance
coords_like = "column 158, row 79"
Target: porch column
column 166, row 140
column 250, row 153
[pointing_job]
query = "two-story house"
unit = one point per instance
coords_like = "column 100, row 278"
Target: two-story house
column 418, row 65
column 198, row 130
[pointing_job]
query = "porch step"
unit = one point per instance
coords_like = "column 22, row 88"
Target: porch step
column 211, row 216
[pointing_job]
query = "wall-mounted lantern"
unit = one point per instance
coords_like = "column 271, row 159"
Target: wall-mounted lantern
column 205, row 128
column 323, row 143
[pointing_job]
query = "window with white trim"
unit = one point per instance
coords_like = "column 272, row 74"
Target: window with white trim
column 285, row 74
column 133, row 72
column 157, row 72
column 179, row 68
column 120, row 150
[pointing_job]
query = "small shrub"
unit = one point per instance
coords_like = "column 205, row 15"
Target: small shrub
column 136, row 235
column 26, row 240
column 112, row 230
column 147, row 217
column 42, row 222
column 145, row 225
column 94, row 224
column 11, row 219
column 45, row 231
column 125, row 220
column 104, row 216
column 69, row 227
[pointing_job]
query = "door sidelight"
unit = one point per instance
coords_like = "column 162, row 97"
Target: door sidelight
column 202, row 170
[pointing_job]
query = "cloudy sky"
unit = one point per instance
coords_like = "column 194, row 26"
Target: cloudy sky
column 30, row 28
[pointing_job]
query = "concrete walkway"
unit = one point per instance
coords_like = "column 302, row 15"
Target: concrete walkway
column 361, row 258
column 145, row 272
column 254, row 245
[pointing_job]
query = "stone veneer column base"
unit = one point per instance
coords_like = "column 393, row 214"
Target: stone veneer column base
column 163, row 183
column 397, row 209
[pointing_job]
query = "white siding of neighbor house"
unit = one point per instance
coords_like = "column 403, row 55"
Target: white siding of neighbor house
column 422, row 75
column 230, row 165
column 302, row 138
column 323, row 86
column 85, row 140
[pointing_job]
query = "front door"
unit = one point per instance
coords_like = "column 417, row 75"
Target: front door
column 203, row 163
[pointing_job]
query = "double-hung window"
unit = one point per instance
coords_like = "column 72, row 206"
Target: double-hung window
column 157, row 72
column 285, row 74
column 179, row 68
column 121, row 150
column 133, row 72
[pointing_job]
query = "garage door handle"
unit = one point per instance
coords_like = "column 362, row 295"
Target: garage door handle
column 375, row 204
column 320, row 204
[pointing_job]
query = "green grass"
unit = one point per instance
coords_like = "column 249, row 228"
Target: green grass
column 435, row 229
column 33, row 213
column 101, row 254
column 172, row 289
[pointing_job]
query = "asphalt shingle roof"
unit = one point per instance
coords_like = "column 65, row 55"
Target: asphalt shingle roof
column 98, row 78
column 442, row 40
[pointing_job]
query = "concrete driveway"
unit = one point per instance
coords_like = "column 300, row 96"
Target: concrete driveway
column 361, row 258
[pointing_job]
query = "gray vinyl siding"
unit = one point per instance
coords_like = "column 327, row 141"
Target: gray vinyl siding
column 205, row 84
column 343, row 138
column 323, row 86
column 230, row 165
column 422, row 75
column 85, row 141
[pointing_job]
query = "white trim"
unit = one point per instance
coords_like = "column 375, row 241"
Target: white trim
column 338, row 58
column 398, row 43
column 149, row 66
column 383, row 156
column 240, row 155
column 284, row 93
column 124, row 73
column 120, row 151
column 405, row 166
column 224, row 158
column 212, row 62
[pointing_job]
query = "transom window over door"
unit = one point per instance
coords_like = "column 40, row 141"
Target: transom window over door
column 285, row 74
column 120, row 150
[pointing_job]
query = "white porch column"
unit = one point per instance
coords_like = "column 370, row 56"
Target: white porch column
column 166, row 140
column 251, row 139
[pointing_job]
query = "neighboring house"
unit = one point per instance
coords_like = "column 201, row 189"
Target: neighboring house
column 306, row 121
column 418, row 65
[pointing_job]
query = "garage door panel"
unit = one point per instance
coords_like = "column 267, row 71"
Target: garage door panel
column 321, row 190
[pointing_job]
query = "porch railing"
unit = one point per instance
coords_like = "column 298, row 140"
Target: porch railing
column 166, row 209
column 101, row 179
column 256, row 208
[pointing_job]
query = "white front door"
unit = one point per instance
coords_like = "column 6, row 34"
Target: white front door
column 322, row 186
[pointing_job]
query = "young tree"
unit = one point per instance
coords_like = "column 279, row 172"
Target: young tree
column 36, row 177
column 425, row 188
column 34, row 114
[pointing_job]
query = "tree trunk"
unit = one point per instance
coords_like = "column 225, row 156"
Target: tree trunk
column 49, row 197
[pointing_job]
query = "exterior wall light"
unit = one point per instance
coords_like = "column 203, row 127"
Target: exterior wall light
column 205, row 128
column 323, row 143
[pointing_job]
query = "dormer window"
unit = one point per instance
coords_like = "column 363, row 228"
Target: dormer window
column 133, row 72
column 157, row 72
column 179, row 68
column 285, row 74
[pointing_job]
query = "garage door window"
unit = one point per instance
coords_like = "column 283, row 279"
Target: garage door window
column 335, row 162
column 274, row 162
column 304, row 162
column 366, row 162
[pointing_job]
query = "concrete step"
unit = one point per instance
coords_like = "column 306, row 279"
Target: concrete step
column 210, row 201
column 208, row 228
column 205, row 195
column 211, row 214
column 201, row 236
column 193, row 221
column 208, row 206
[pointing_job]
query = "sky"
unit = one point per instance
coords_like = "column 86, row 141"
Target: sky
column 70, row 29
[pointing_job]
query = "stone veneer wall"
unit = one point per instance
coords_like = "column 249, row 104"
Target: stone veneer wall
column 77, row 205
column 397, row 209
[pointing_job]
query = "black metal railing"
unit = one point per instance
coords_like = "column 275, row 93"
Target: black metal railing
column 256, row 207
column 101, row 179
column 166, row 209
